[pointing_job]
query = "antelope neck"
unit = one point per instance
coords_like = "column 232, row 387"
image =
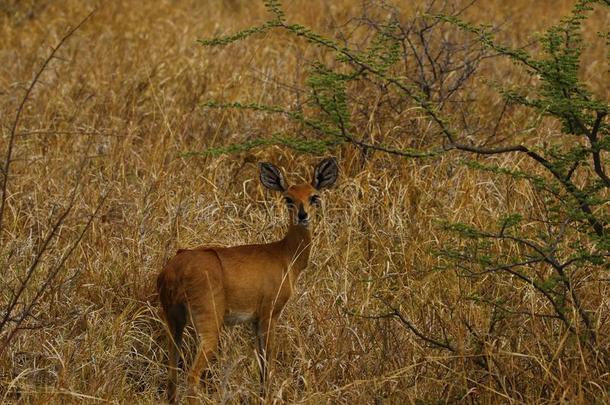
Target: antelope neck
column 297, row 243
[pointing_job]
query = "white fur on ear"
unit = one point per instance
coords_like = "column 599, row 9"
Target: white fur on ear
column 272, row 177
column 326, row 174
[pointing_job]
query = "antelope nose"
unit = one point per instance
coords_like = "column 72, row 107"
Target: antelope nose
column 302, row 215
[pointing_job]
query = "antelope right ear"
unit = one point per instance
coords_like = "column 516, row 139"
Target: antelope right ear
column 272, row 177
column 326, row 174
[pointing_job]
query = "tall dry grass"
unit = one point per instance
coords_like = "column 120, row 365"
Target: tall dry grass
column 123, row 100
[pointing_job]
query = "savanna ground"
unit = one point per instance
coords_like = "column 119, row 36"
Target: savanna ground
column 107, row 125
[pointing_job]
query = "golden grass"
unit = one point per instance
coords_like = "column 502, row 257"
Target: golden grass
column 125, row 95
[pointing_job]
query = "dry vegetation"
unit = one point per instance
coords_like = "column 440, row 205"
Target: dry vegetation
column 111, row 116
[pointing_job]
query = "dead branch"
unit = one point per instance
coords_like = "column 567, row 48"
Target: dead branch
column 13, row 133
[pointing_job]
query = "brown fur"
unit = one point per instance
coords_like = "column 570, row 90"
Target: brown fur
column 212, row 286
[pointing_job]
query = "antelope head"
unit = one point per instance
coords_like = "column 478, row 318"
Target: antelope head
column 301, row 199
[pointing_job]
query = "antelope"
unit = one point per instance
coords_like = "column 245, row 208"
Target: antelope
column 216, row 286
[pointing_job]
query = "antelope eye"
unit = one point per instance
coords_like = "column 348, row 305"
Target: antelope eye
column 314, row 200
column 289, row 200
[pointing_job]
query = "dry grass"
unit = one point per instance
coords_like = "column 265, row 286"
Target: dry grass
column 124, row 98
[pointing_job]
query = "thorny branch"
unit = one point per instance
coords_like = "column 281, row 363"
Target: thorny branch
column 13, row 133
column 546, row 254
column 23, row 283
column 431, row 109
column 51, row 276
column 595, row 151
column 9, row 316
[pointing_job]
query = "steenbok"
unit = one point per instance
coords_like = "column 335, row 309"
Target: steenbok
column 214, row 286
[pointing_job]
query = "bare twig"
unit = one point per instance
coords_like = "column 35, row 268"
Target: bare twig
column 13, row 133
column 50, row 277
column 43, row 249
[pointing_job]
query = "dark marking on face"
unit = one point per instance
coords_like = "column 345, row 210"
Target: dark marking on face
column 302, row 215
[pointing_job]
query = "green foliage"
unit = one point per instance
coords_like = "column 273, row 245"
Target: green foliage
column 464, row 230
column 568, row 175
column 222, row 41
column 329, row 94
column 510, row 220
column 560, row 94
column 309, row 146
column 574, row 233
column 384, row 51
column 329, row 89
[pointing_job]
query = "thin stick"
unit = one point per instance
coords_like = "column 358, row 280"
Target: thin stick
column 11, row 141
column 45, row 286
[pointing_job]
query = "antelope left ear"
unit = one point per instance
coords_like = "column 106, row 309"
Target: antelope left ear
column 272, row 177
column 326, row 174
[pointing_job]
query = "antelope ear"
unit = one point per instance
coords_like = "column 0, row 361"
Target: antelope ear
column 272, row 177
column 326, row 174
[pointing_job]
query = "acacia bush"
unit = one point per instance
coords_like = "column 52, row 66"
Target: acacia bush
column 528, row 268
column 462, row 256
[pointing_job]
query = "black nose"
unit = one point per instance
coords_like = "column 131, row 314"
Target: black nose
column 302, row 215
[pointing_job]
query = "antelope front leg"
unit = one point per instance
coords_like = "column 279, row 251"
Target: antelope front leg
column 265, row 336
